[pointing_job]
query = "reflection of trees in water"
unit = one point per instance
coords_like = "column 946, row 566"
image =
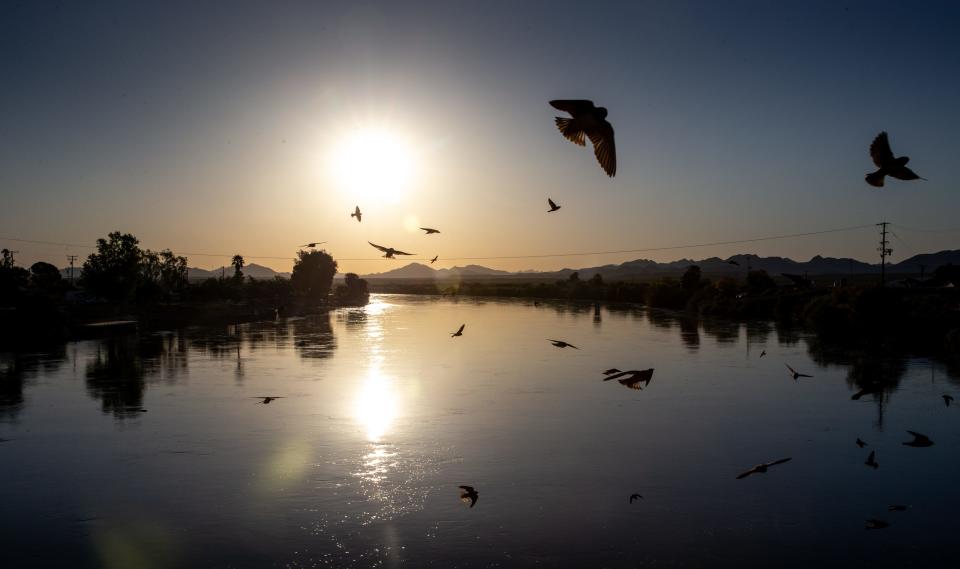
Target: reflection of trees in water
column 353, row 318
column 788, row 334
column 690, row 333
column 723, row 331
column 18, row 369
column 625, row 311
column 758, row 331
column 313, row 336
column 661, row 319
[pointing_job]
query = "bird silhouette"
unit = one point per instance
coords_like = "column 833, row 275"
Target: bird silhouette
column 430, row 230
column 761, row 468
column 635, row 497
column 611, row 371
column 897, row 508
column 314, row 244
column 553, row 206
column 632, row 378
column 763, row 353
column 266, row 400
column 874, row 523
column 562, row 344
column 590, row 121
column 872, row 460
column 458, row 332
column 356, row 213
column 887, row 164
column 389, row 252
column 795, row 374
column 919, row 440
column 469, row 494
column 860, row 443
column 434, row 260
column 947, row 399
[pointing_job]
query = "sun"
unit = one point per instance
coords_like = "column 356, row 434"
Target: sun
column 373, row 164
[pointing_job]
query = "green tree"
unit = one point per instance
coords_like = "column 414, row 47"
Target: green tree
column 238, row 264
column 313, row 274
column 114, row 271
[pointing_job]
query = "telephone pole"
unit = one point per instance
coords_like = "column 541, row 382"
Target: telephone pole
column 71, row 258
column 885, row 251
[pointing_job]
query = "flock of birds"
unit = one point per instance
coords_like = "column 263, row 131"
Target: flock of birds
column 587, row 121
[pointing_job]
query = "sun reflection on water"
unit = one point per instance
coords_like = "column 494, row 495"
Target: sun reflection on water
column 376, row 405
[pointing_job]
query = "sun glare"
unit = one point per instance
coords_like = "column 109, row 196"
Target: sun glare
column 373, row 164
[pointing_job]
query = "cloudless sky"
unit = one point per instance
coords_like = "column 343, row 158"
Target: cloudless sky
column 210, row 127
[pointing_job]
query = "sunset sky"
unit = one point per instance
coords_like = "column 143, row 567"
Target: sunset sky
column 255, row 127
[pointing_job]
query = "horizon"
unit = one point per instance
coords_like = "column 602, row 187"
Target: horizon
column 730, row 125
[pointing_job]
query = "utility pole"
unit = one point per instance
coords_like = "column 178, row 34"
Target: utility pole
column 71, row 258
column 885, row 251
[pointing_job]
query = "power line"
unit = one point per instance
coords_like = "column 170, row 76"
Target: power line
column 945, row 230
column 496, row 257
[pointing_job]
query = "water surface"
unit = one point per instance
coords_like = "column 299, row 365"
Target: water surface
column 151, row 451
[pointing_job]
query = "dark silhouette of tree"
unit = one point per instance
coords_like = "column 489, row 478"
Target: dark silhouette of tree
column 690, row 281
column 113, row 271
column 948, row 273
column 238, row 264
column 574, row 277
column 12, row 277
column 596, row 280
column 759, row 281
column 44, row 276
column 313, row 274
column 354, row 290
column 162, row 273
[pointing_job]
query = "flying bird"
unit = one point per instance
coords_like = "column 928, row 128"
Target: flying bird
column 632, row 378
column 267, row 400
column 635, row 497
column 919, row 440
column 469, row 494
column 458, row 332
column 761, row 468
column 356, row 213
column 876, row 524
column 795, row 374
column 389, row 252
column 897, row 508
column 553, row 206
column 947, row 399
column 611, row 371
column 430, row 230
column 872, row 460
column 860, row 443
column 763, row 353
column 562, row 344
column 434, row 260
column 887, row 164
column 590, row 121
column 314, row 244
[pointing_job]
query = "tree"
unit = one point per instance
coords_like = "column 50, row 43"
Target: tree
column 164, row 270
column 759, row 281
column 313, row 274
column 114, row 271
column 12, row 277
column 44, row 276
column 354, row 291
column 596, row 280
column 690, row 281
column 574, row 277
column 237, row 263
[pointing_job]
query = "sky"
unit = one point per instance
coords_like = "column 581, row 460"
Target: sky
column 256, row 127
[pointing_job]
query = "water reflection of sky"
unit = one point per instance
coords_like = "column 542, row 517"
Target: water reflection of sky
column 383, row 415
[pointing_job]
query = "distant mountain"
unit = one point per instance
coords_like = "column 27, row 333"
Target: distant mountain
column 254, row 270
column 712, row 266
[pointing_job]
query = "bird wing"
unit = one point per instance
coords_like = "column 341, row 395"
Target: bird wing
column 572, row 346
column 748, row 473
column 429, row 230
column 467, row 488
column 604, row 147
column 803, row 375
column 611, row 370
column 462, row 326
column 552, row 205
column 792, row 371
column 573, row 106
column 903, row 173
column 781, row 461
column 918, row 437
column 395, row 252
column 384, row 249
column 880, row 151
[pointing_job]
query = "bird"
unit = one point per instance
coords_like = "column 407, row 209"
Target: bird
column 635, row 497
column 795, row 373
column 468, row 493
column 897, row 508
column 434, row 259
column 430, row 230
column 919, row 440
column 947, row 399
column 860, row 443
column 590, row 121
column 887, row 164
column 389, row 252
column 632, row 378
column 553, row 206
column 760, row 468
column 267, row 400
column 611, row 371
column 356, row 213
column 872, row 460
column 876, row 524
column 763, row 353
column 458, row 332
column 314, row 244
column 562, row 344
